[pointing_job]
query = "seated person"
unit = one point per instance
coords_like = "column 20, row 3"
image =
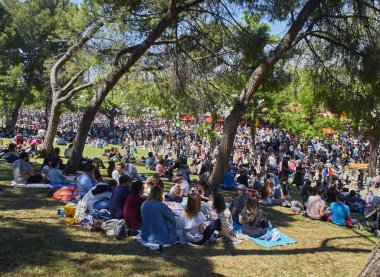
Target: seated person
column 119, row 195
column 45, row 170
column 160, row 168
column 356, row 204
column 119, row 171
column 97, row 163
column 179, row 190
column 204, row 190
column 154, row 180
column 97, row 196
column 220, row 211
column 193, row 225
column 149, row 161
column 67, row 151
column 132, row 206
column 315, row 205
column 254, row 221
column 11, row 155
column 86, row 180
column 242, row 196
column 23, row 172
column 228, row 183
column 242, row 178
column 158, row 221
column 340, row 212
column 55, row 174
column 131, row 170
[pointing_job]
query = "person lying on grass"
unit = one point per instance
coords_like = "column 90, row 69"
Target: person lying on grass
column 254, row 221
column 194, row 228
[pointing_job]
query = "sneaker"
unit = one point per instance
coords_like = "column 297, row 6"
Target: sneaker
column 196, row 245
column 215, row 238
column 234, row 241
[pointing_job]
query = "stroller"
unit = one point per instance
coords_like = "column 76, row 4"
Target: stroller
column 372, row 216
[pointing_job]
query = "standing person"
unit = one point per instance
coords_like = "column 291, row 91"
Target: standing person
column 158, row 221
column 119, row 196
column 23, row 172
column 298, row 178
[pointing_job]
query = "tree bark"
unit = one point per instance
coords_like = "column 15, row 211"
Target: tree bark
column 373, row 157
column 118, row 70
column 372, row 268
column 55, row 113
column 257, row 78
column 17, row 107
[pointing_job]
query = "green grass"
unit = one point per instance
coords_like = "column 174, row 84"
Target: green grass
column 35, row 242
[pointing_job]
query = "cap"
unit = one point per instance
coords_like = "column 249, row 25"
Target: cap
column 242, row 187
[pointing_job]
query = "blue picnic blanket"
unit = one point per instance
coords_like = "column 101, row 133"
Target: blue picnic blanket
column 63, row 185
column 265, row 240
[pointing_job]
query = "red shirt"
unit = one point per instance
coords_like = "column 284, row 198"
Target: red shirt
column 132, row 211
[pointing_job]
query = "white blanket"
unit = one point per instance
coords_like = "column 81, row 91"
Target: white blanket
column 33, row 186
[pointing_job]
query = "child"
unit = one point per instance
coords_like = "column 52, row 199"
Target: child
column 55, row 174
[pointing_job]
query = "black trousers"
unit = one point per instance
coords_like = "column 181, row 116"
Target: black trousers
column 215, row 225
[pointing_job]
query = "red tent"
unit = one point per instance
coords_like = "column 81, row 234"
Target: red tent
column 209, row 119
column 188, row 117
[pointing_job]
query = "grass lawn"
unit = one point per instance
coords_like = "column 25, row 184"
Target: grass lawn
column 35, row 242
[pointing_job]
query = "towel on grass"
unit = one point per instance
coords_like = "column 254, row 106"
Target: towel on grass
column 263, row 240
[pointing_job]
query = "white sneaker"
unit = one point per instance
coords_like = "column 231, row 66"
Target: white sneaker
column 234, row 241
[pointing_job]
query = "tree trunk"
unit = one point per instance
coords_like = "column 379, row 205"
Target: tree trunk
column 55, row 113
column 118, row 70
column 253, row 131
column 258, row 76
column 372, row 268
column 17, row 107
column 112, row 121
column 373, row 158
column 226, row 144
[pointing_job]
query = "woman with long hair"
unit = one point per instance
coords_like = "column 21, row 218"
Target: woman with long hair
column 193, row 225
column 253, row 219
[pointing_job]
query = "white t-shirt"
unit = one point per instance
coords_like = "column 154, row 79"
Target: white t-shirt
column 185, row 186
column 190, row 226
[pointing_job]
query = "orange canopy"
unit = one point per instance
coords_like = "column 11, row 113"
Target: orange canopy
column 188, row 117
column 209, row 119
column 327, row 131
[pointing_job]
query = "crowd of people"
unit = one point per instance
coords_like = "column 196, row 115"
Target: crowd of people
column 263, row 171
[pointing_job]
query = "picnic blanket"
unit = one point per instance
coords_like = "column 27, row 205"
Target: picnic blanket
column 33, row 186
column 265, row 240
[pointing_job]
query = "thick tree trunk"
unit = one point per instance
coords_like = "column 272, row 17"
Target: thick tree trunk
column 226, row 144
column 55, row 113
column 257, row 78
column 372, row 268
column 373, row 156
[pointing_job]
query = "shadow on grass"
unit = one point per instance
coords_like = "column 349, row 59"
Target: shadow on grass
column 25, row 198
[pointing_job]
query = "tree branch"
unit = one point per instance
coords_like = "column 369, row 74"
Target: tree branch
column 70, row 52
column 71, row 82
column 73, row 91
